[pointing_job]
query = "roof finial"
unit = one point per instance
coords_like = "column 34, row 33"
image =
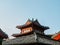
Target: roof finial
column 32, row 19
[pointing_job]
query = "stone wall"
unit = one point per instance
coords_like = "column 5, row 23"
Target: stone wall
column 48, row 41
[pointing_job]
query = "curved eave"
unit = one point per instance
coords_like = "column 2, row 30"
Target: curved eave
column 45, row 28
column 22, row 26
column 18, row 35
column 42, row 27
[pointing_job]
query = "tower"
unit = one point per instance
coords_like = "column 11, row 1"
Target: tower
column 31, row 26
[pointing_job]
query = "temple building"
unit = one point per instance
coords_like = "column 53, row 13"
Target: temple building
column 32, row 33
column 31, row 26
column 56, row 36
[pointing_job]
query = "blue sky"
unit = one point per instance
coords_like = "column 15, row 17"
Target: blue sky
column 17, row 12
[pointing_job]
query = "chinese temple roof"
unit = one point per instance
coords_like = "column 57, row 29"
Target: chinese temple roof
column 3, row 34
column 56, row 36
column 32, row 23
